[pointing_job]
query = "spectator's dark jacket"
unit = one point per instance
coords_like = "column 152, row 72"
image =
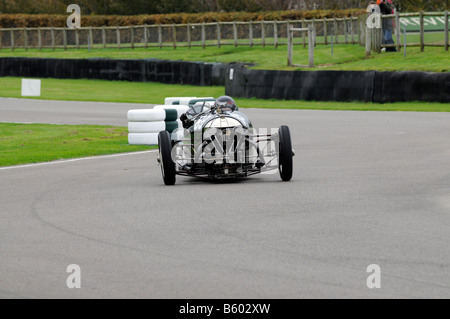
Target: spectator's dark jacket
column 387, row 7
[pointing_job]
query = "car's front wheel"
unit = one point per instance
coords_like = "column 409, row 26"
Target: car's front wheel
column 166, row 162
column 285, row 162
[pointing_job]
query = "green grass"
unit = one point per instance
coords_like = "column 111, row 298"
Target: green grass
column 346, row 106
column 34, row 143
column 154, row 93
column 431, row 60
column 107, row 91
column 345, row 57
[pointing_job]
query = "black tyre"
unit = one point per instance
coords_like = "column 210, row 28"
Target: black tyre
column 285, row 164
column 165, row 151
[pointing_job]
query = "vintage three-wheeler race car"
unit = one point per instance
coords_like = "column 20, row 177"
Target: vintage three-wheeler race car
column 219, row 142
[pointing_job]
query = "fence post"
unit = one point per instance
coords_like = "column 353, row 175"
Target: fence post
column 311, row 44
column 325, row 31
column 422, row 45
column 132, row 36
column 1, row 35
column 203, row 35
column 12, row 40
column 368, row 41
column 146, row 36
column 336, row 31
column 446, row 30
column 397, row 29
column 373, row 38
column 218, row 35
column 25, row 39
column 288, row 28
column 188, row 30
column 303, row 33
column 351, row 30
column 290, row 46
column 53, row 39
column 160, row 36
column 118, row 37
column 332, row 45
column 378, row 39
column 104, row 37
column 250, row 33
column 77, row 39
column 263, row 34
column 275, row 34
column 174, row 36
column 314, row 35
column 361, row 34
column 91, row 38
column 346, row 30
column 65, row 39
column 404, row 42
column 235, row 34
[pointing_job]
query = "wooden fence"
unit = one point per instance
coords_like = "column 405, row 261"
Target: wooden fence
column 263, row 33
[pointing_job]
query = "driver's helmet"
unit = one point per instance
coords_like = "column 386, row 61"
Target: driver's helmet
column 225, row 104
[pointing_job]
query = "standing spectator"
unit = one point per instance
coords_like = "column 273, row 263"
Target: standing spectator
column 387, row 7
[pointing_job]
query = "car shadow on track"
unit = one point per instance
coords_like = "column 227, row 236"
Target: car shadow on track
column 225, row 181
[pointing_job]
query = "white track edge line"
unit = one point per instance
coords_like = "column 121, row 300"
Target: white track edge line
column 75, row 160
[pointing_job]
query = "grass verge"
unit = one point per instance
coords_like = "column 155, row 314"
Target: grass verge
column 154, row 93
column 35, row 143
column 345, row 56
column 107, row 91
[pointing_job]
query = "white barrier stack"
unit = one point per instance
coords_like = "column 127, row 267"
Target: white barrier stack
column 144, row 126
column 171, row 126
column 146, row 115
column 143, row 138
column 180, row 108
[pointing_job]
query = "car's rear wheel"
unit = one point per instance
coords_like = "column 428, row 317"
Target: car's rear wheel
column 166, row 162
column 285, row 163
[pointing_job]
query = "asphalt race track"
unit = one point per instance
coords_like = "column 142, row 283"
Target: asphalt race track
column 65, row 112
column 368, row 188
